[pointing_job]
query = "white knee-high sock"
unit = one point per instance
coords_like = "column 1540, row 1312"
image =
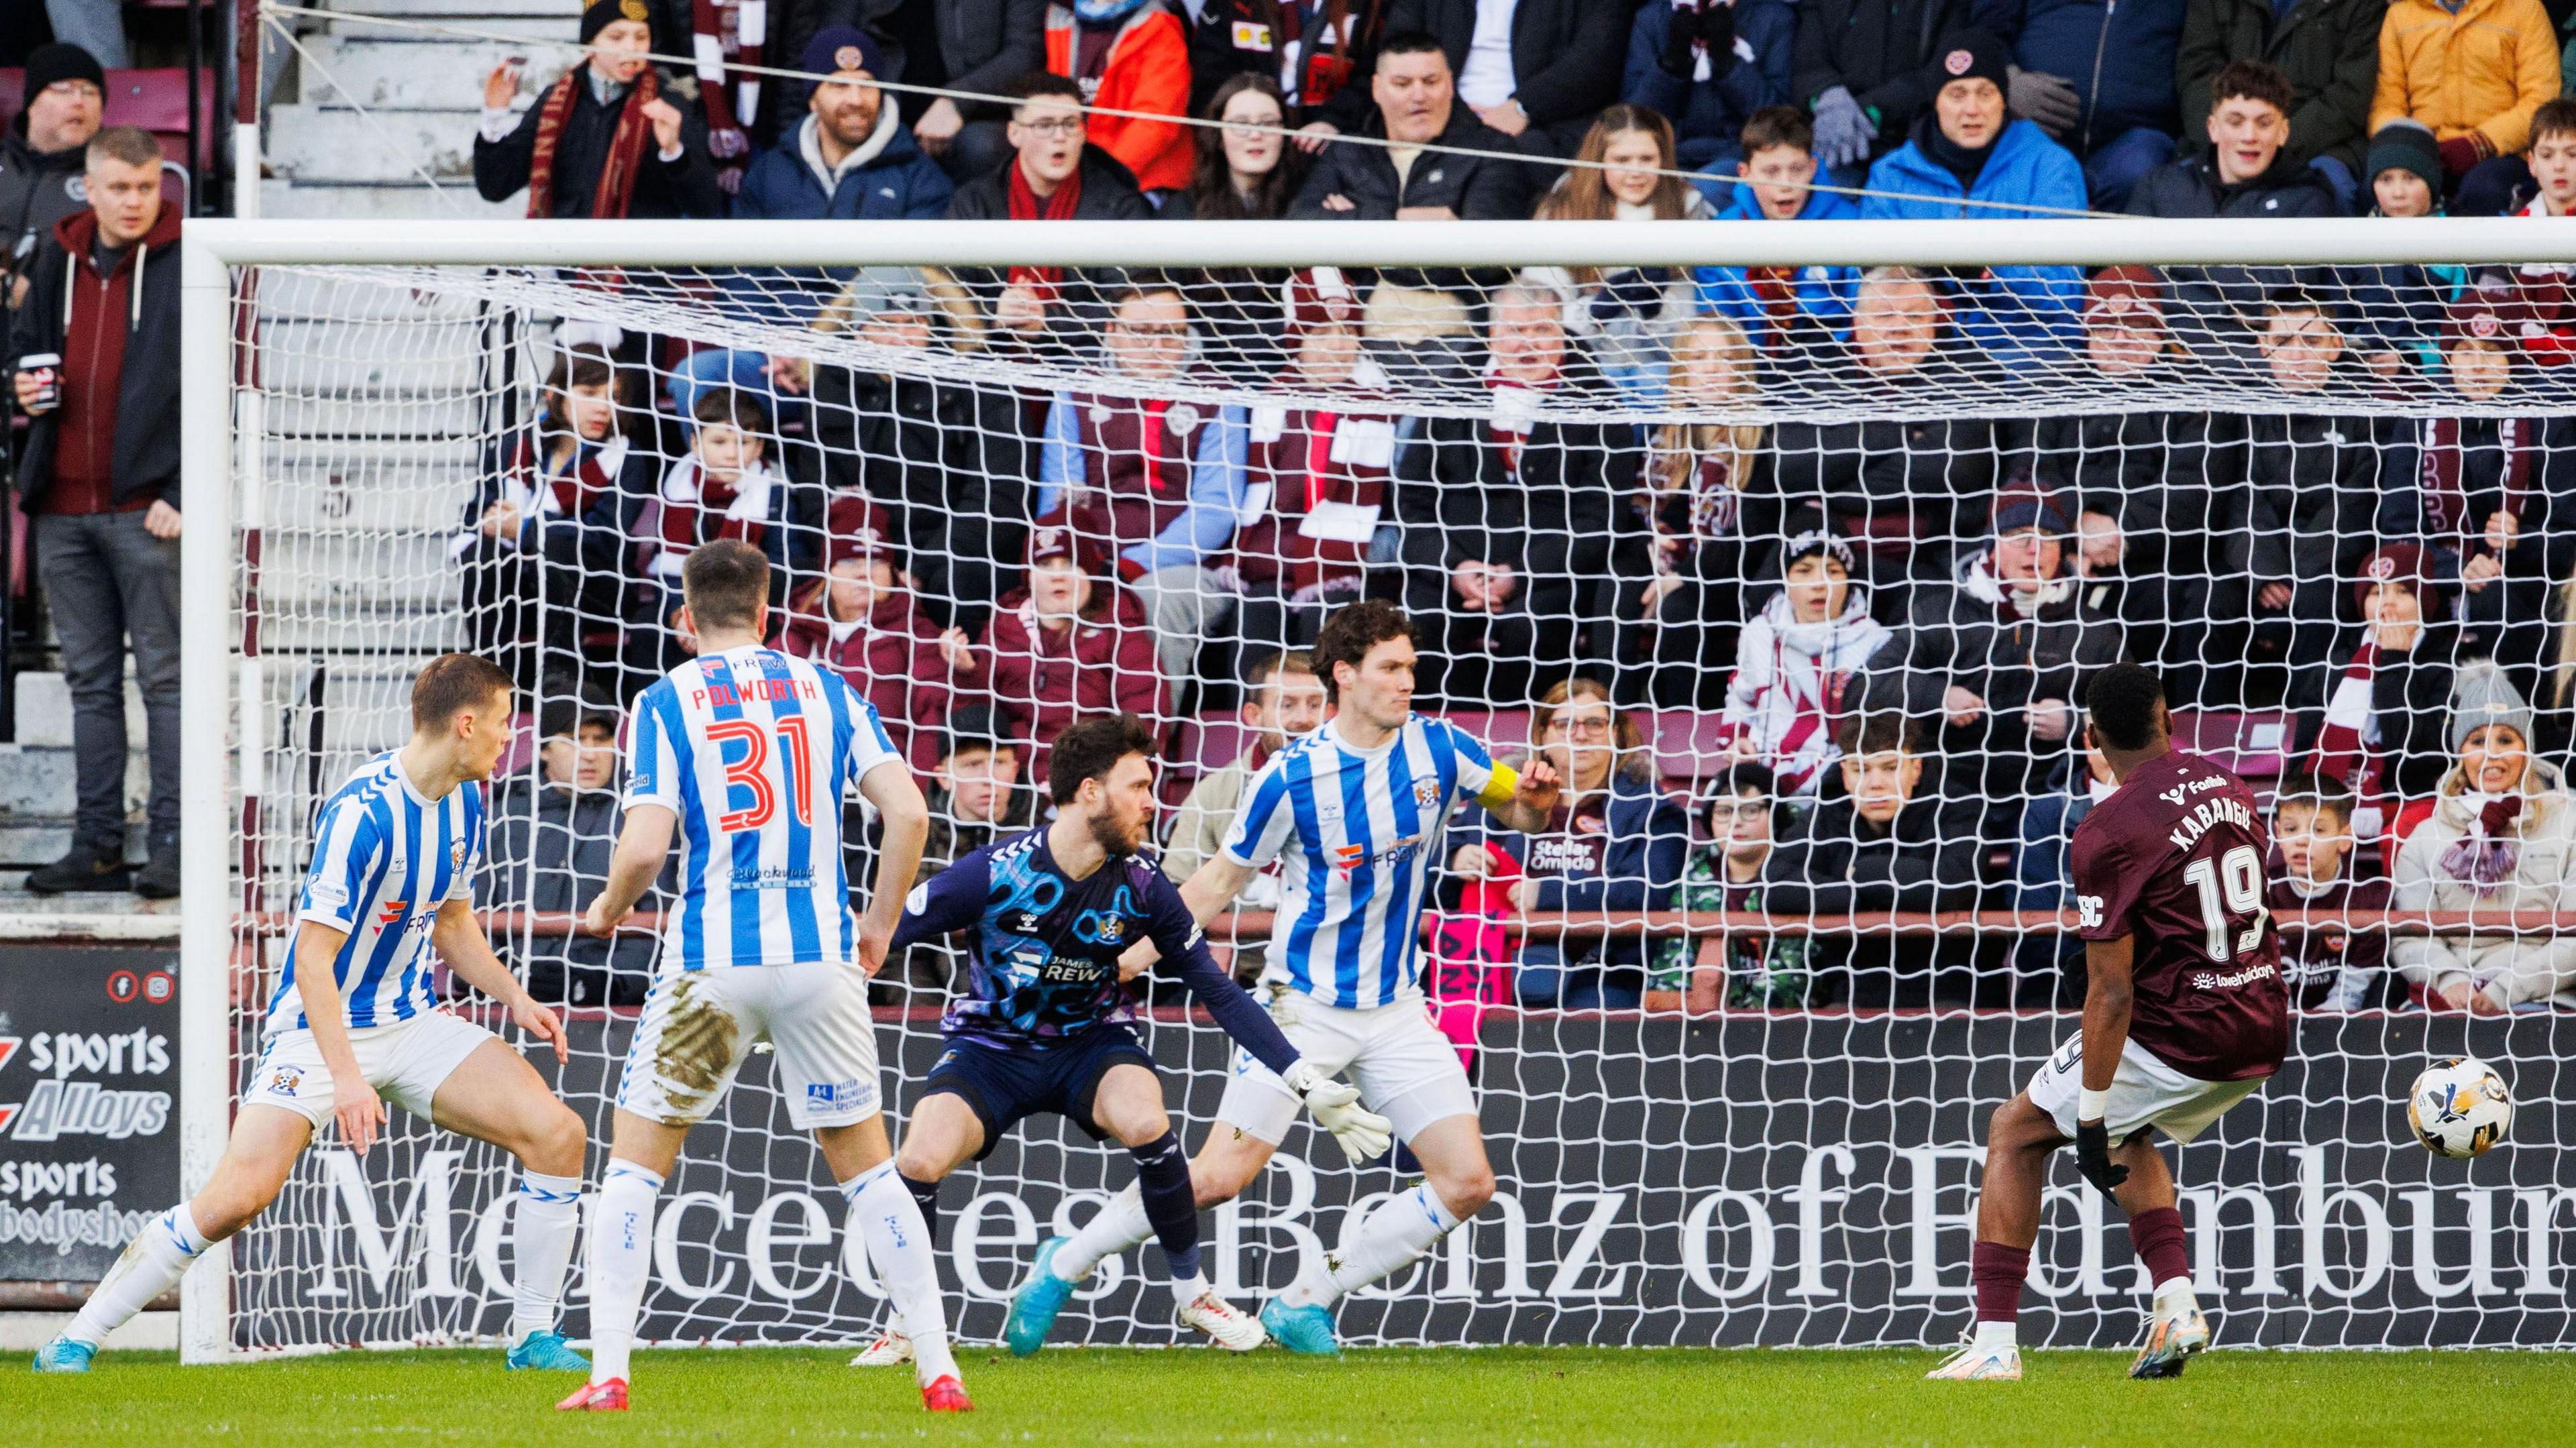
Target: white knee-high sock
column 621, row 1260
column 1398, row 1232
column 155, row 1261
column 549, row 1212
column 898, row 1241
column 1120, row 1223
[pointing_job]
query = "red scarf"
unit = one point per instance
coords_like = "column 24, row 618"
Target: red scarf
column 1508, row 443
column 2342, row 751
column 2446, row 503
column 725, row 138
column 1319, row 455
column 626, row 145
column 1025, row 206
column 684, row 524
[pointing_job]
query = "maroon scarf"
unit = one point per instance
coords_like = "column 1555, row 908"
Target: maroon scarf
column 725, row 139
column 2446, row 504
column 2342, row 751
column 1025, row 206
column 626, row 145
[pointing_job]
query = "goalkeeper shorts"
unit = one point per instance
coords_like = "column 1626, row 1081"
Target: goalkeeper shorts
column 2144, row 1092
column 699, row 1024
column 1406, row 1070
column 405, row 1062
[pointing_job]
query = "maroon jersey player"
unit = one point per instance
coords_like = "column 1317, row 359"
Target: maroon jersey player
column 2184, row 1016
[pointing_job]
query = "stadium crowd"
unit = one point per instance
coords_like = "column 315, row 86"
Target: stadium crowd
column 1876, row 626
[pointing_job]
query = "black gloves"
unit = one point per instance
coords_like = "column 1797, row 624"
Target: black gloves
column 1709, row 23
column 2093, row 1156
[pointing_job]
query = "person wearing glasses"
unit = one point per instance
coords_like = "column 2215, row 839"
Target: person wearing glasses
column 1051, row 176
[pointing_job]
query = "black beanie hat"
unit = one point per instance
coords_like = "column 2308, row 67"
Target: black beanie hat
column 605, row 13
column 1967, row 54
column 50, row 64
column 2405, row 145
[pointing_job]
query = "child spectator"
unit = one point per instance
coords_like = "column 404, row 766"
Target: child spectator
column 1710, row 64
column 2329, row 52
column 1132, row 56
column 1051, row 176
column 1707, row 502
column 1283, row 700
column 1624, row 315
column 2328, row 968
column 1317, row 55
column 860, row 620
column 2474, row 71
column 2500, row 839
column 605, row 141
column 2098, row 76
column 1777, row 180
column 2398, row 310
column 2548, row 289
column 1737, row 969
column 2373, row 718
column 723, row 487
column 2051, row 964
column 1068, row 646
column 551, row 842
column 1784, row 705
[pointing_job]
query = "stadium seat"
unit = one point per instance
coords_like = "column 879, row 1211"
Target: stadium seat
column 1685, row 743
column 2249, row 742
column 156, row 100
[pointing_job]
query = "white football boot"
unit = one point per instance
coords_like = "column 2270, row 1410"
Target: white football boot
column 1234, row 1329
column 2173, row 1338
column 891, row 1349
column 1974, row 1364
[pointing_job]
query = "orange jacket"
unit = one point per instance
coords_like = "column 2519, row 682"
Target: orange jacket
column 2485, row 68
column 1148, row 70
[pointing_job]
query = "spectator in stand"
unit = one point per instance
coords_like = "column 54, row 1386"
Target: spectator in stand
column 1776, row 181
column 1318, row 53
column 975, row 797
column 2328, row 50
column 1625, row 315
column 2547, row 299
column 1417, row 107
column 1052, row 176
column 603, row 141
column 1615, row 842
column 1966, row 157
column 1867, row 71
column 2052, row 965
column 2002, row 656
column 861, row 620
column 980, row 47
column 1155, row 482
column 1129, row 56
column 100, row 478
column 2501, row 838
column 2098, row 76
column 1283, row 700
column 2474, row 71
column 1708, row 501
column 1885, row 843
column 2329, row 970
column 42, row 156
column 1785, row 700
column 545, row 529
column 1517, row 532
column 1246, row 172
column 2398, row 310
column 1710, row 64
column 1741, row 818
column 1070, row 645
column 1536, row 70
column 723, row 487
column 551, row 842
column 1322, row 470
column 2373, row 717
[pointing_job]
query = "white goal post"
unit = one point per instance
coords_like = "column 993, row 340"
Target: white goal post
column 1850, row 1234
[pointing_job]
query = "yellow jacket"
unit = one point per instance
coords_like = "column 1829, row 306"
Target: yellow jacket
column 2485, row 69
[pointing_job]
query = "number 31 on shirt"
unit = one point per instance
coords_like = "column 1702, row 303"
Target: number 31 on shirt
column 751, row 772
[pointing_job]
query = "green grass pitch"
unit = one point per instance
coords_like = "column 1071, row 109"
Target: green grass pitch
column 1508, row 1398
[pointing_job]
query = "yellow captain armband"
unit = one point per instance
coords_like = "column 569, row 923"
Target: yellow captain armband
column 1500, row 787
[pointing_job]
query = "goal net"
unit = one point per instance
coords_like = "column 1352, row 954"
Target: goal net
column 1793, row 553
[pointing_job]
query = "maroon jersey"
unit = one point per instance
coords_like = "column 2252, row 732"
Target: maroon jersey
column 2175, row 860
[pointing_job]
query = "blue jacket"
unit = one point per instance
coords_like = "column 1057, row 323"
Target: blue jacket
column 2131, row 46
column 1649, row 844
column 1822, row 292
column 1715, row 109
column 899, row 182
column 2010, row 311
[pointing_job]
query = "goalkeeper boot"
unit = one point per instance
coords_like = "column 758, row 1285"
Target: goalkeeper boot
column 1034, row 1306
column 607, row 1397
column 1974, row 1364
column 547, row 1352
column 945, row 1394
column 1233, row 1329
column 63, row 1355
column 891, row 1349
column 2172, row 1339
column 1306, row 1331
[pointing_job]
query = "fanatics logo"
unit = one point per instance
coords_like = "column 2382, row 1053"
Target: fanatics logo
column 392, row 911
column 847, row 58
column 1957, row 62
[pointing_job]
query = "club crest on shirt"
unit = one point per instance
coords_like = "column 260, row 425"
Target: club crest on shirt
column 456, row 855
column 284, row 1080
column 1426, row 792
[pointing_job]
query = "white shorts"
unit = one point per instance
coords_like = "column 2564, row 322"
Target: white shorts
column 405, row 1062
column 699, row 1024
column 1406, row 1070
column 2144, row 1092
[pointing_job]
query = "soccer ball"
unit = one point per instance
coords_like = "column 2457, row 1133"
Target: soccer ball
column 2459, row 1108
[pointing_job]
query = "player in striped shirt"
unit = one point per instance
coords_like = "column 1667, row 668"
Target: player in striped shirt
column 353, row 1022
column 1355, row 813
column 746, row 755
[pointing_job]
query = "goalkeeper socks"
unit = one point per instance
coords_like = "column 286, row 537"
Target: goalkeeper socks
column 158, row 1257
column 2156, row 1235
column 1998, row 1272
column 925, row 1199
column 621, row 1258
column 1121, row 1223
column 549, row 1213
column 885, row 1208
column 1163, row 1184
column 1395, row 1235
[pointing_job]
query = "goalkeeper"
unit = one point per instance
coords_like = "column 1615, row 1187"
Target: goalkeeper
column 1043, row 1023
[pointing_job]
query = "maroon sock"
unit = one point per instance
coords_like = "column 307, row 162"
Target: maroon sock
column 2156, row 1234
column 1998, row 1271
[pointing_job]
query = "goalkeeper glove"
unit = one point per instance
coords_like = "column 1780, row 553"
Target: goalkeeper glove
column 2093, row 1156
column 1363, row 1134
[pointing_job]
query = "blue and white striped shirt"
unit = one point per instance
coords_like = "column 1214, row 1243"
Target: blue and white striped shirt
column 1355, row 833
column 385, row 858
column 755, row 751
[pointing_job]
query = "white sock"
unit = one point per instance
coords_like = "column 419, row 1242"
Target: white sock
column 1186, row 1290
column 2174, row 1298
column 158, row 1257
column 889, row 1221
column 1996, row 1336
column 621, row 1261
column 1118, row 1225
column 1393, row 1237
column 549, row 1213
